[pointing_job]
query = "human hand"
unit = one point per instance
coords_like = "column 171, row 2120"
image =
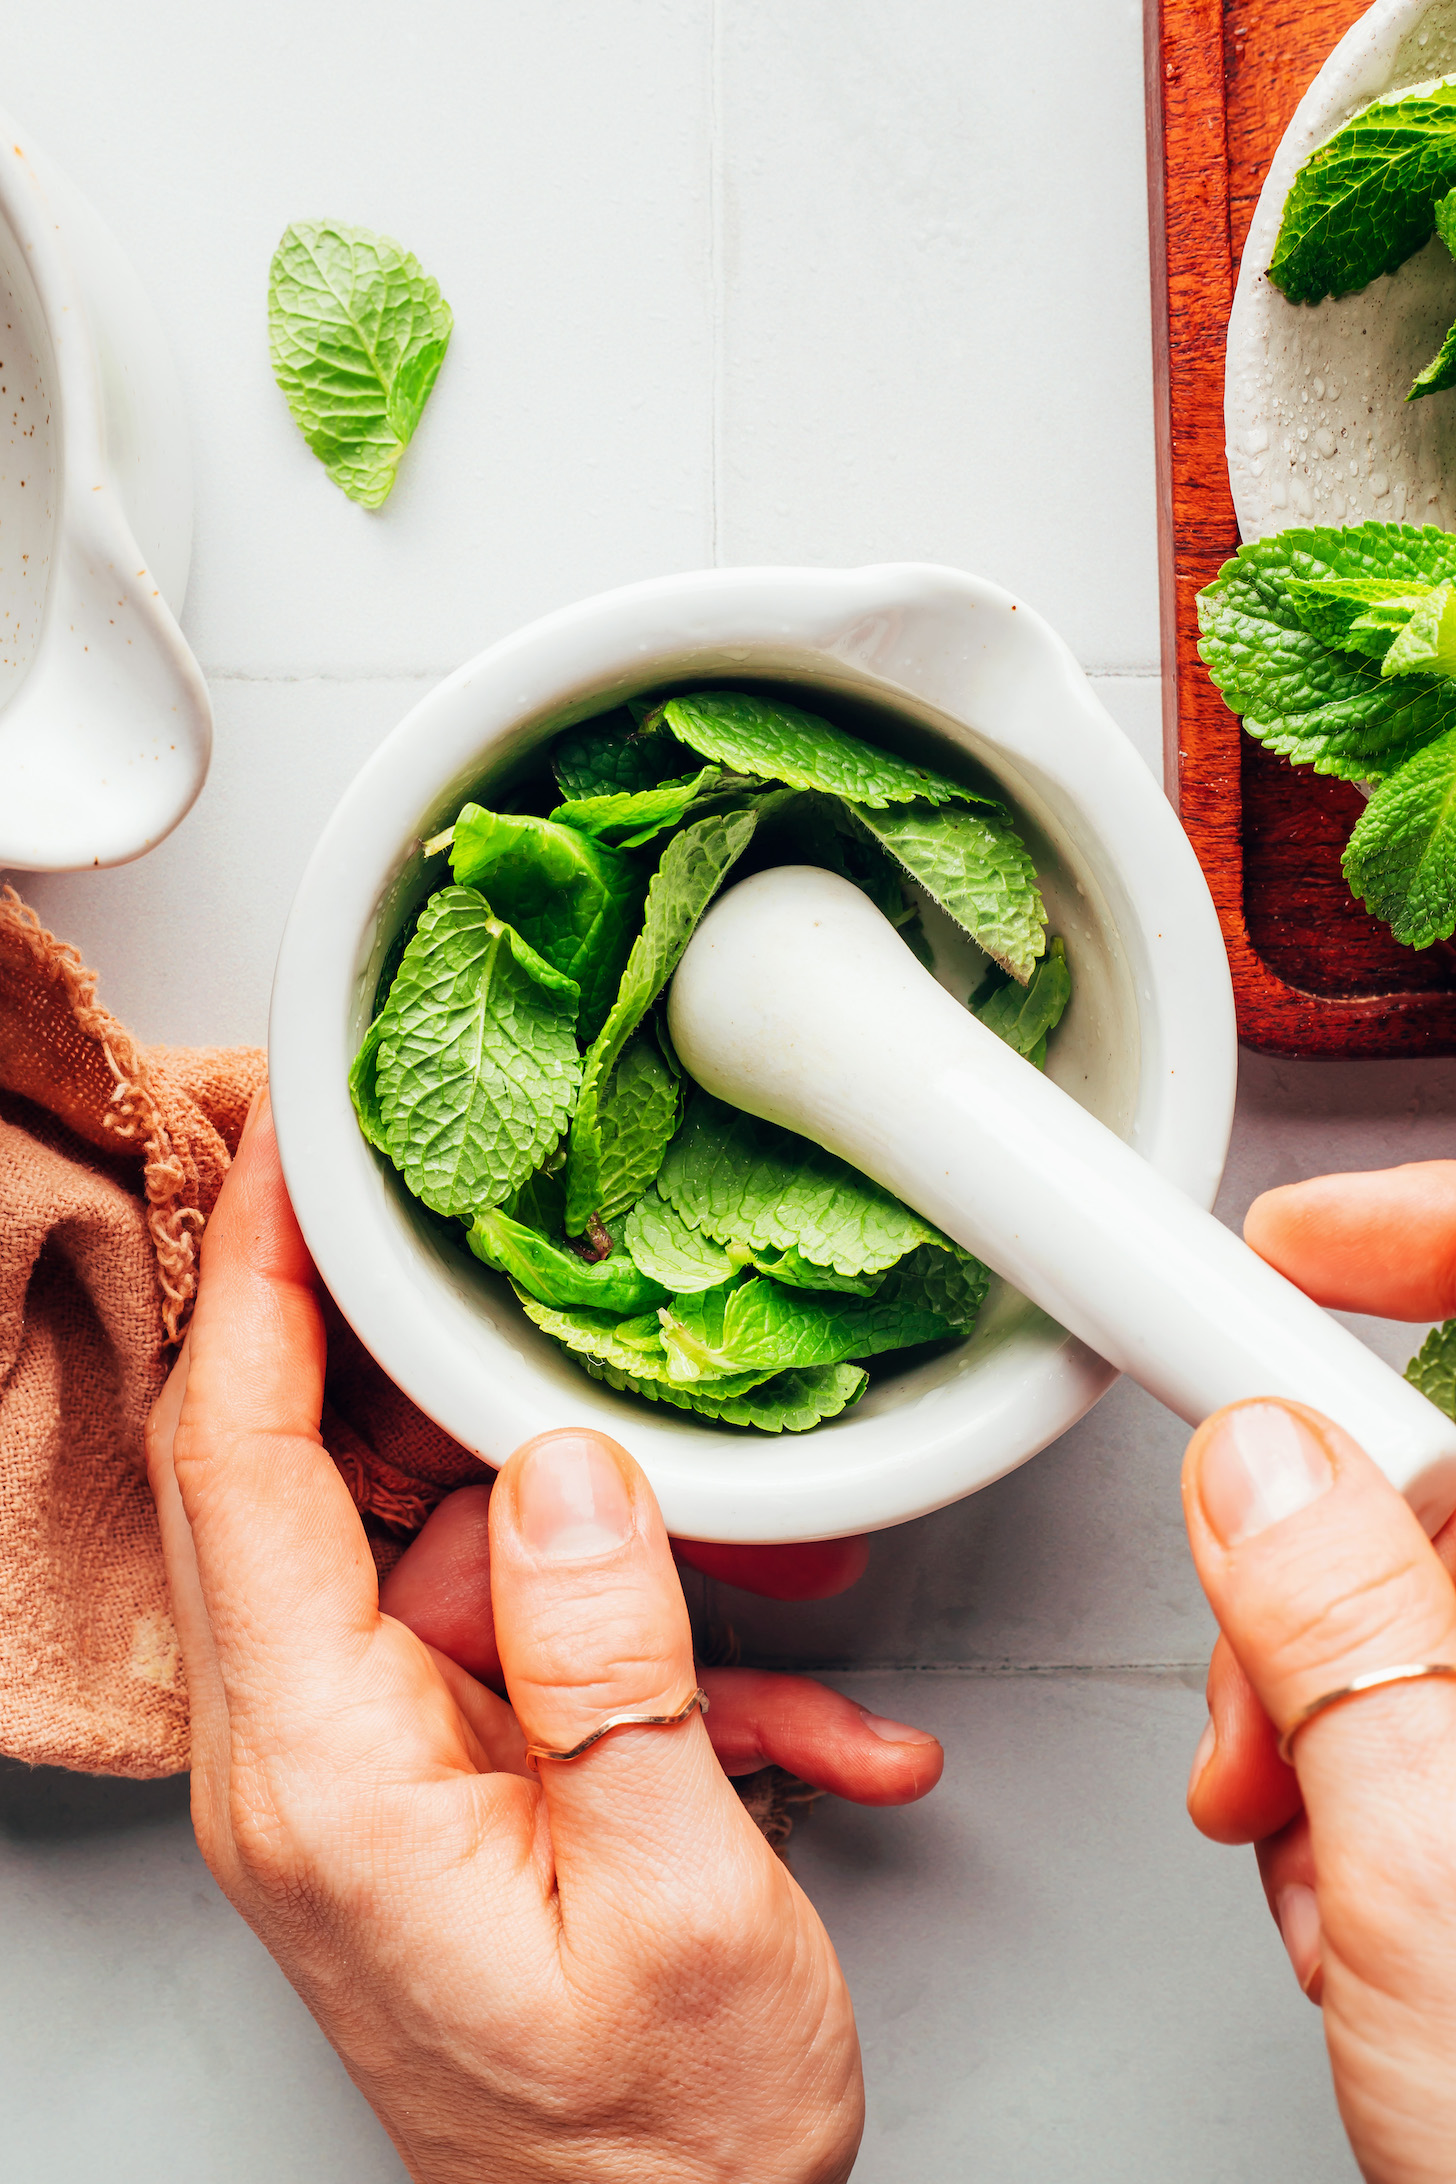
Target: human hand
column 1318, row 1573
column 601, row 1974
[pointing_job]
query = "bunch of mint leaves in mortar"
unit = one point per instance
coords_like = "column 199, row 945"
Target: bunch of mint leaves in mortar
column 519, row 1075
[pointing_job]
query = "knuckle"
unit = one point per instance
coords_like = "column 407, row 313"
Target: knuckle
column 274, row 1840
column 1354, row 1613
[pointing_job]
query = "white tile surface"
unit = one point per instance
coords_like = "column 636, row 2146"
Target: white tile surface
column 732, row 281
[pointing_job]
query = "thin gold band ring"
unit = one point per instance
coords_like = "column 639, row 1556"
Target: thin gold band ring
column 695, row 1703
column 1356, row 1688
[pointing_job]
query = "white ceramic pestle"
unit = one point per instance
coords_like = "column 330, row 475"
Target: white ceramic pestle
column 799, row 1002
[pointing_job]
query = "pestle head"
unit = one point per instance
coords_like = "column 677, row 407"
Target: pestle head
column 785, row 994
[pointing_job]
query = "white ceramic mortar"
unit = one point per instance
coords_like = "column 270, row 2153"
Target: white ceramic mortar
column 925, row 659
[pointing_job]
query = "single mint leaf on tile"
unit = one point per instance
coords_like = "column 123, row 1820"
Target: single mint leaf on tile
column 1364, row 201
column 577, row 901
column 778, row 742
column 477, row 1066
column 742, row 1181
column 1401, row 858
column 1312, row 702
column 558, row 1276
column 693, row 868
column 357, row 332
column 976, row 866
column 788, row 1403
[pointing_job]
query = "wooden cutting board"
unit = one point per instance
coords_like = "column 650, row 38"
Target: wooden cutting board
column 1313, row 974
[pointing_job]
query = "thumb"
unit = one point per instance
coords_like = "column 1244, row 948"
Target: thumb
column 1319, row 1574
column 590, row 1621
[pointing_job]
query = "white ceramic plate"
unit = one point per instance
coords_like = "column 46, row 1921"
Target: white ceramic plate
column 1318, row 427
column 922, row 658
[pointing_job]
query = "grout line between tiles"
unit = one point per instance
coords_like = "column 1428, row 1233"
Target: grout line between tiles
column 991, row 1671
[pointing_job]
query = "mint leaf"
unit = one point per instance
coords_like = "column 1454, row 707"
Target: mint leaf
column 668, row 1251
column 364, row 1087
column 781, row 1330
column 1440, row 373
column 951, row 1284
column 477, row 1064
column 805, row 827
column 788, row 1403
column 539, row 1204
column 1316, row 705
column 742, row 1181
column 629, row 821
column 1025, row 1016
column 693, row 868
column 632, row 1346
column 577, row 902
column 796, row 1272
column 613, row 756
column 1426, row 645
column 559, row 1277
column 357, row 332
column 977, row 868
column 636, row 1116
column 1433, row 1368
column 1401, row 858
column 1363, row 202
column 778, row 742
column 1356, row 613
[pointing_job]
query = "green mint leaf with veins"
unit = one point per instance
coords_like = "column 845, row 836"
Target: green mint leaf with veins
column 364, row 1086
column 1440, row 373
column 1314, row 703
column 686, row 1261
column 1364, row 201
column 477, row 1064
column 742, row 1181
column 1401, row 858
column 788, row 1403
column 539, row 1204
column 693, row 868
column 761, row 1324
column 668, row 1251
column 632, row 1346
column 1427, row 643
column 976, row 866
column 557, row 1276
column 577, row 902
column 1433, row 1368
column 357, row 332
column 613, row 756
column 636, row 1116
column 1025, row 1016
column 778, row 742
column 629, row 821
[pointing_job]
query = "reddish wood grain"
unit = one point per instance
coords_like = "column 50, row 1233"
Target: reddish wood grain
column 1313, row 974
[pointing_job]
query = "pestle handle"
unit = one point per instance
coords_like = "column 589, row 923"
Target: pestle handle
column 797, row 1001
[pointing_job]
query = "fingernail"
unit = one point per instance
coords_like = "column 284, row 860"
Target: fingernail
column 571, row 1499
column 1202, row 1756
column 1297, row 1908
column 1261, row 1462
column 894, row 1732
